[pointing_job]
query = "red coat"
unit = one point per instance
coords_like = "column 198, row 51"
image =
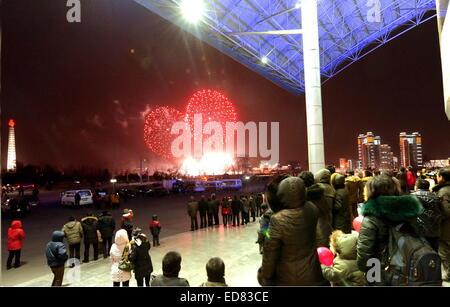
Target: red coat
column 410, row 179
column 15, row 236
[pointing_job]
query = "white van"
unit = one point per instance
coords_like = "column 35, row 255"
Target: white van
column 231, row 184
column 68, row 197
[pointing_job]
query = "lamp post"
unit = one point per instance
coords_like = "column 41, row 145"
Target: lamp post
column 140, row 168
column 113, row 181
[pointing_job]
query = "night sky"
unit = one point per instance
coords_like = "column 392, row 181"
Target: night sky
column 77, row 92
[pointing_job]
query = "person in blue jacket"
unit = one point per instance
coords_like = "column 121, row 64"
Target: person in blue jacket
column 56, row 254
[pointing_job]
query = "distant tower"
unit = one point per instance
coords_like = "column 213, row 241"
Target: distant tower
column 11, row 162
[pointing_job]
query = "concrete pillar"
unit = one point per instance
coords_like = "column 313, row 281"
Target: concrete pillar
column 313, row 92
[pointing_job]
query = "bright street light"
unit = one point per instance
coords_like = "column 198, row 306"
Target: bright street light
column 264, row 60
column 192, row 10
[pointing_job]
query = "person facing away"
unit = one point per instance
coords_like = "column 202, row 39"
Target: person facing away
column 342, row 212
column 89, row 224
column 259, row 202
column 116, row 253
column 171, row 266
column 141, row 259
column 352, row 183
column 410, row 178
column 402, row 177
column 73, row 231
column 56, row 254
column 323, row 196
column 344, row 270
column 77, row 199
column 106, row 225
column 15, row 237
column 203, row 209
column 235, row 209
column 289, row 254
column 215, row 270
column 442, row 189
column 214, row 205
column 225, row 210
column 383, row 210
column 126, row 222
column 252, row 204
column 155, row 229
column 192, row 209
column 245, row 210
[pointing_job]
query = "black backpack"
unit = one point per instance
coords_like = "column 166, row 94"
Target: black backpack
column 411, row 261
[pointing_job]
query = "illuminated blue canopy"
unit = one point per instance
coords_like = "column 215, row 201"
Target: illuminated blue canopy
column 348, row 30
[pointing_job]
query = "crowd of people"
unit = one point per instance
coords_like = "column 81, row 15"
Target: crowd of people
column 235, row 210
column 359, row 219
column 403, row 226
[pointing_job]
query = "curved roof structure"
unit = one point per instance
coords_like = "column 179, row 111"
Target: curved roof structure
column 348, row 30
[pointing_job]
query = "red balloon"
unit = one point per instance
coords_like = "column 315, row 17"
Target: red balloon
column 326, row 256
column 357, row 223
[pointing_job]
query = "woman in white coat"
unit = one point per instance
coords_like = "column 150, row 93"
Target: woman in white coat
column 117, row 275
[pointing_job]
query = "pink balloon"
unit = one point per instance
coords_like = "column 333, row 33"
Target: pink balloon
column 357, row 223
column 326, row 257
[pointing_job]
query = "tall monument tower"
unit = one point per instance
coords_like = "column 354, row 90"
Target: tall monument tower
column 11, row 161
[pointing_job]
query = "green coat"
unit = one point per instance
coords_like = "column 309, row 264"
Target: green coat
column 344, row 271
column 443, row 191
column 379, row 215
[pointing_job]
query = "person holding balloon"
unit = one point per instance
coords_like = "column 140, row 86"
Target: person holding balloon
column 338, row 263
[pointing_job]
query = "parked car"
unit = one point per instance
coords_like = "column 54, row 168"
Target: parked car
column 16, row 206
column 144, row 190
column 68, row 197
column 157, row 189
column 126, row 194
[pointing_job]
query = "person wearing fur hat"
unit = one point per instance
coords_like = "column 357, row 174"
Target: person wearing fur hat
column 344, row 271
column 384, row 209
column 126, row 222
column 289, row 253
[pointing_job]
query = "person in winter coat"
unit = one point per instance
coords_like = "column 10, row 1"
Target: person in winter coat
column 235, row 209
column 106, row 225
column 126, row 222
column 352, row 184
column 89, row 224
column 252, row 203
column 245, row 210
column 410, row 178
column 56, row 254
column 432, row 214
column 225, row 210
column 15, row 238
column 117, row 251
column 192, row 209
column 141, row 259
column 171, row 266
column 367, row 175
column 402, row 176
column 289, row 253
column 203, row 209
column 259, row 201
column 264, row 223
column 323, row 195
column 155, row 229
column 73, row 231
column 213, row 207
column 383, row 210
column 344, row 271
column 342, row 212
column 215, row 270
column 442, row 189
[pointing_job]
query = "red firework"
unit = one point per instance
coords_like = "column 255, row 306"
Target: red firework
column 158, row 124
column 213, row 106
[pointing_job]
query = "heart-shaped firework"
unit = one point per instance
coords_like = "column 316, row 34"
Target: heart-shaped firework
column 158, row 124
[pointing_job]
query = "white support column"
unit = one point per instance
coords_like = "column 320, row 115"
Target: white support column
column 313, row 92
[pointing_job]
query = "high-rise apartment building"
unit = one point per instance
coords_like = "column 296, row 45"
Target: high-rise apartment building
column 411, row 150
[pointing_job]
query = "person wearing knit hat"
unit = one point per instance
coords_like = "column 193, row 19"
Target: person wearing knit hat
column 127, row 222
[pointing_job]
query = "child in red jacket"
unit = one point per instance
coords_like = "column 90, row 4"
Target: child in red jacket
column 155, row 228
column 15, row 238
